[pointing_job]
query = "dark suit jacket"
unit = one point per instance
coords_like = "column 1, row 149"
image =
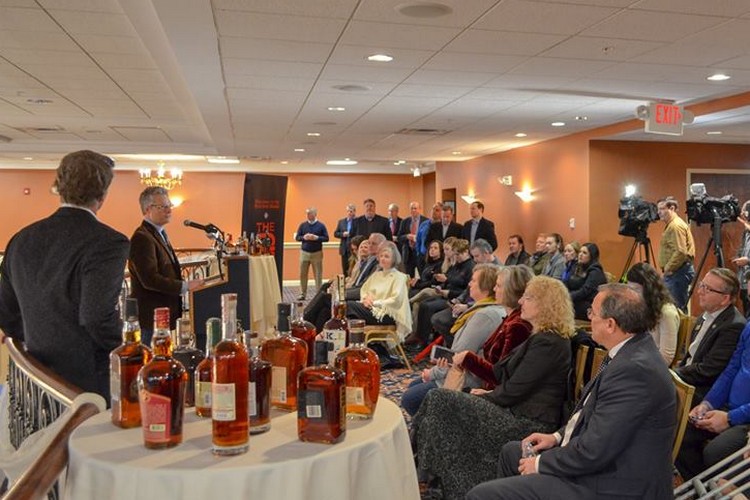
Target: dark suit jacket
column 404, row 230
column 59, row 290
column 622, row 444
column 155, row 277
column 339, row 233
column 394, row 234
column 378, row 224
column 436, row 232
column 485, row 230
column 714, row 351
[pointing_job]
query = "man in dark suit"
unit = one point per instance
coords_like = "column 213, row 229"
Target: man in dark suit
column 714, row 337
column 61, row 279
column 371, row 222
column 155, row 275
column 344, row 229
column 407, row 237
column 394, row 221
column 445, row 228
column 618, row 442
column 478, row 227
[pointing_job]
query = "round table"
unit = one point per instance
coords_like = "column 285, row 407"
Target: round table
column 374, row 461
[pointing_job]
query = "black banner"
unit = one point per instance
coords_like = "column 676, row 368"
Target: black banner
column 263, row 207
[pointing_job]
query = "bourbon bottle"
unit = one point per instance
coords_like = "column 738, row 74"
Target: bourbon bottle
column 229, row 385
column 259, row 389
column 304, row 330
column 321, row 405
column 188, row 355
column 204, row 368
column 362, row 369
column 161, row 389
column 335, row 329
column 124, row 363
column 288, row 356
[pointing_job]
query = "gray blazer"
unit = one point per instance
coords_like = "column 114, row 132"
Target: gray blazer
column 61, row 280
column 555, row 266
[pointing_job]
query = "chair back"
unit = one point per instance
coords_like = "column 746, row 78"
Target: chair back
column 581, row 355
column 683, row 338
column 596, row 363
column 685, row 393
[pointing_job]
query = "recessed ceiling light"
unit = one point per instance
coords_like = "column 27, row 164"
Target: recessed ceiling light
column 350, row 87
column 714, row 132
column 582, row 118
column 284, row 162
column 28, row 158
column 558, row 124
column 521, row 134
column 336, row 108
column 718, row 77
column 456, row 153
column 299, row 150
column 344, row 162
column 223, row 160
column 380, row 58
column 423, row 9
column 313, row 134
column 39, row 101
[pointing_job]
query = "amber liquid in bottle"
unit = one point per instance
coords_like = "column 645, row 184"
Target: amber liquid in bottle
column 161, row 389
column 259, row 389
column 229, row 386
column 321, row 403
column 335, row 329
column 362, row 369
column 304, row 330
column 124, row 363
column 204, row 369
column 189, row 356
column 288, row 356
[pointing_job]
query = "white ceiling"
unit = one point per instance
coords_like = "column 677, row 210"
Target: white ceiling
column 251, row 78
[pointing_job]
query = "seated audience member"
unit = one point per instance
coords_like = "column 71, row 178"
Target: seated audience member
column 451, row 284
column 539, row 258
column 584, row 282
column 471, row 331
column 714, row 336
column 459, row 435
column 517, row 251
column 384, row 297
column 722, row 418
column 661, row 306
column 432, row 266
column 570, row 254
column 513, row 331
column 361, row 253
column 618, row 442
column 554, row 267
column 353, row 258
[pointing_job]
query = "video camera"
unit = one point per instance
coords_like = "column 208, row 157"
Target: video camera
column 704, row 209
column 635, row 215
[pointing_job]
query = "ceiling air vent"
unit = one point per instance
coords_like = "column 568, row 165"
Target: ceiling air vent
column 5, row 138
column 422, row 131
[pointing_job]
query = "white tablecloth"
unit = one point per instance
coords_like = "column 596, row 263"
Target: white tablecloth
column 374, row 461
column 265, row 294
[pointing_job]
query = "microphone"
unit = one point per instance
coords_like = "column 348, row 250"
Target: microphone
column 209, row 228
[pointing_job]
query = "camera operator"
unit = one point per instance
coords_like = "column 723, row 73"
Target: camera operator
column 742, row 261
column 676, row 252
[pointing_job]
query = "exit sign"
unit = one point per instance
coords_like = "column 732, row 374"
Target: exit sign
column 663, row 118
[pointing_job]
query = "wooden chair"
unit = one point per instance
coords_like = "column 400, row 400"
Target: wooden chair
column 37, row 398
column 685, row 393
column 386, row 333
column 683, row 338
column 581, row 354
column 596, row 363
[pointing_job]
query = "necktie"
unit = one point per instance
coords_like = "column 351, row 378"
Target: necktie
column 164, row 236
column 393, row 226
column 590, row 385
column 413, row 230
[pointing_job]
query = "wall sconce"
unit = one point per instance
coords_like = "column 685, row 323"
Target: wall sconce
column 630, row 190
column 416, row 172
column 506, row 180
column 525, row 194
column 176, row 201
column 469, row 198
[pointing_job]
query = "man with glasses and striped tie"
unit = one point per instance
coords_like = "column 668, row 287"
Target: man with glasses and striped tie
column 155, row 276
column 618, row 442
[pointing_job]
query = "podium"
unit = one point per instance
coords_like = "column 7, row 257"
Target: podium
column 255, row 281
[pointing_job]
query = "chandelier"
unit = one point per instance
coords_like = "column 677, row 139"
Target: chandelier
column 161, row 177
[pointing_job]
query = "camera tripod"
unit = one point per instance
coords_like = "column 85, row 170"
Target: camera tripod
column 642, row 243
column 715, row 242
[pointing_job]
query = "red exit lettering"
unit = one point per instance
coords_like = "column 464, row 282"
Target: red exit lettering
column 668, row 114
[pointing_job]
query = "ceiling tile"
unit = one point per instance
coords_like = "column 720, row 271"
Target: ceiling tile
column 605, row 49
column 653, row 26
column 503, row 42
column 540, row 17
column 109, row 6
column 460, row 78
column 145, row 134
column 94, row 23
column 357, row 55
column 278, row 27
column 319, row 8
column 729, row 8
column 238, row 67
column 277, row 50
column 375, row 73
column 29, row 20
column 391, row 35
column 461, row 61
column 463, row 12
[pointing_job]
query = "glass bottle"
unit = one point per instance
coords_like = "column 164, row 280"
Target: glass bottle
column 321, row 405
column 229, row 385
column 204, row 369
column 335, row 329
column 124, row 363
column 304, row 330
column 188, row 355
column 161, row 389
column 362, row 369
column 288, row 356
column 259, row 392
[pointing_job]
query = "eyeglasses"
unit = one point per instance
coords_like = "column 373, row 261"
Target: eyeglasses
column 704, row 286
column 527, row 298
column 163, row 207
column 590, row 313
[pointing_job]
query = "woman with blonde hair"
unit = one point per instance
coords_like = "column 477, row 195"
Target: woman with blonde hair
column 459, row 436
